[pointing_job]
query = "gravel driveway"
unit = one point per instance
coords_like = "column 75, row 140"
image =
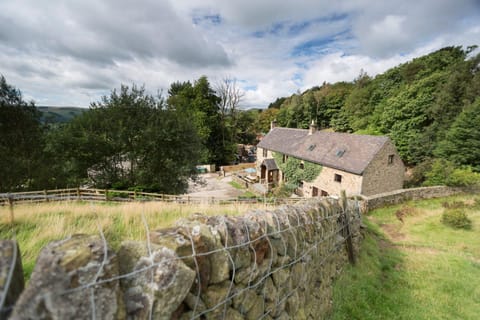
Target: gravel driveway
column 213, row 185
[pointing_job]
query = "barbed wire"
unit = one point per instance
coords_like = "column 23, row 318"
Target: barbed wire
column 322, row 222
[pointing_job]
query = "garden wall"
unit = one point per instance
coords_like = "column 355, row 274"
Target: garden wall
column 264, row 265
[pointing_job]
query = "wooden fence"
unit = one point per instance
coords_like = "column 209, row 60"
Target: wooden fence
column 80, row 194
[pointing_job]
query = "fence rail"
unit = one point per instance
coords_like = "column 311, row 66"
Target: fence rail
column 82, row 194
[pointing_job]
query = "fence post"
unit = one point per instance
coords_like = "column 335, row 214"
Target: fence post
column 45, row 194
column 347, row 233
column 106, row 194
column 135, row 195
column 78, row 194
column 10, row 205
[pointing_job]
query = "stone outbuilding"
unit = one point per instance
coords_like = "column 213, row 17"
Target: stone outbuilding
column 358, row 164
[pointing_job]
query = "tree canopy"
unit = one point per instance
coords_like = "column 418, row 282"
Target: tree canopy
column 213, row 114
column 21, row 140
column 127, row 140
column 461, row 144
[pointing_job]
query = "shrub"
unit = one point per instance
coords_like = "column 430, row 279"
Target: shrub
column 404, row 212
column 456, row 218
column 463, row 177
column 439, row 172
column 453, row 205
column 285, row 190
column 476, row 203
column 417, row 174
column 444, row 172
column 112, row 195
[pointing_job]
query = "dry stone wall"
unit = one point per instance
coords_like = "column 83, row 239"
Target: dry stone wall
column 402, row 195
column 264, row 265
column 11, row 276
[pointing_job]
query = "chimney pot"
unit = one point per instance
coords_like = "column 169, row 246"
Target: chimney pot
column 313, row 128
column 273, row 124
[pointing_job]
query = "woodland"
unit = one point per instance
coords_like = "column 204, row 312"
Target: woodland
column 429, row 107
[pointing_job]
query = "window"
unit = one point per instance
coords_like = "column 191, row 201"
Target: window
column 390, row 159
column 337, row 178
column 265, row 153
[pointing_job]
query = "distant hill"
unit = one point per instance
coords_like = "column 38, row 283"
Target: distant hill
column 59, row 114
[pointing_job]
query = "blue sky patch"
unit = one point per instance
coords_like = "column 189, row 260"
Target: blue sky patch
column 312, row 47
column 214, row 19
column 298, row 79
column 253, row 87
column 319, row 46
column 274, row 30
column 299, row 27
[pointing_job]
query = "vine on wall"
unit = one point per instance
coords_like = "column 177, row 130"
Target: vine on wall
column 293, row 172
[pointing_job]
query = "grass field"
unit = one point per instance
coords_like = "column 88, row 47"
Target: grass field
column 36, row 225
column 415, row 269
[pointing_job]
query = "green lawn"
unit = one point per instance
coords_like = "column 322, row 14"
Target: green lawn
column 415, row 269
column 246, row 194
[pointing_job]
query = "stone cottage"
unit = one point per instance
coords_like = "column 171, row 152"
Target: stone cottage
column 358, row 164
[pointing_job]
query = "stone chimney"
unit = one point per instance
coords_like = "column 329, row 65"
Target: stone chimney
column 313, row 128
column 273, row 124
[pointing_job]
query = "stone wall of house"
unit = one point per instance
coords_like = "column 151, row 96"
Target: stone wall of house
column 266, row 264
column 352, row 183
column 261, row 157
column 382, row 176
column 402, row 195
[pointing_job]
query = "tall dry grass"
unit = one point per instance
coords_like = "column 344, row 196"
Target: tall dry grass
column 35, row 225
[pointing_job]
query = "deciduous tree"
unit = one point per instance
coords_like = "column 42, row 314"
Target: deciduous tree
column 21, row 140
column 129, row 139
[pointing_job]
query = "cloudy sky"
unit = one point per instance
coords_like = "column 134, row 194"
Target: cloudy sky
column 72, row 52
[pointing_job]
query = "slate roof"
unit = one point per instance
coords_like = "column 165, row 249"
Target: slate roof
column 270, row 164
column 343, row 151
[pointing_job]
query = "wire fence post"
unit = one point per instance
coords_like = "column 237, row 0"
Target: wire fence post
column 346, row 230
column 10, row 205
